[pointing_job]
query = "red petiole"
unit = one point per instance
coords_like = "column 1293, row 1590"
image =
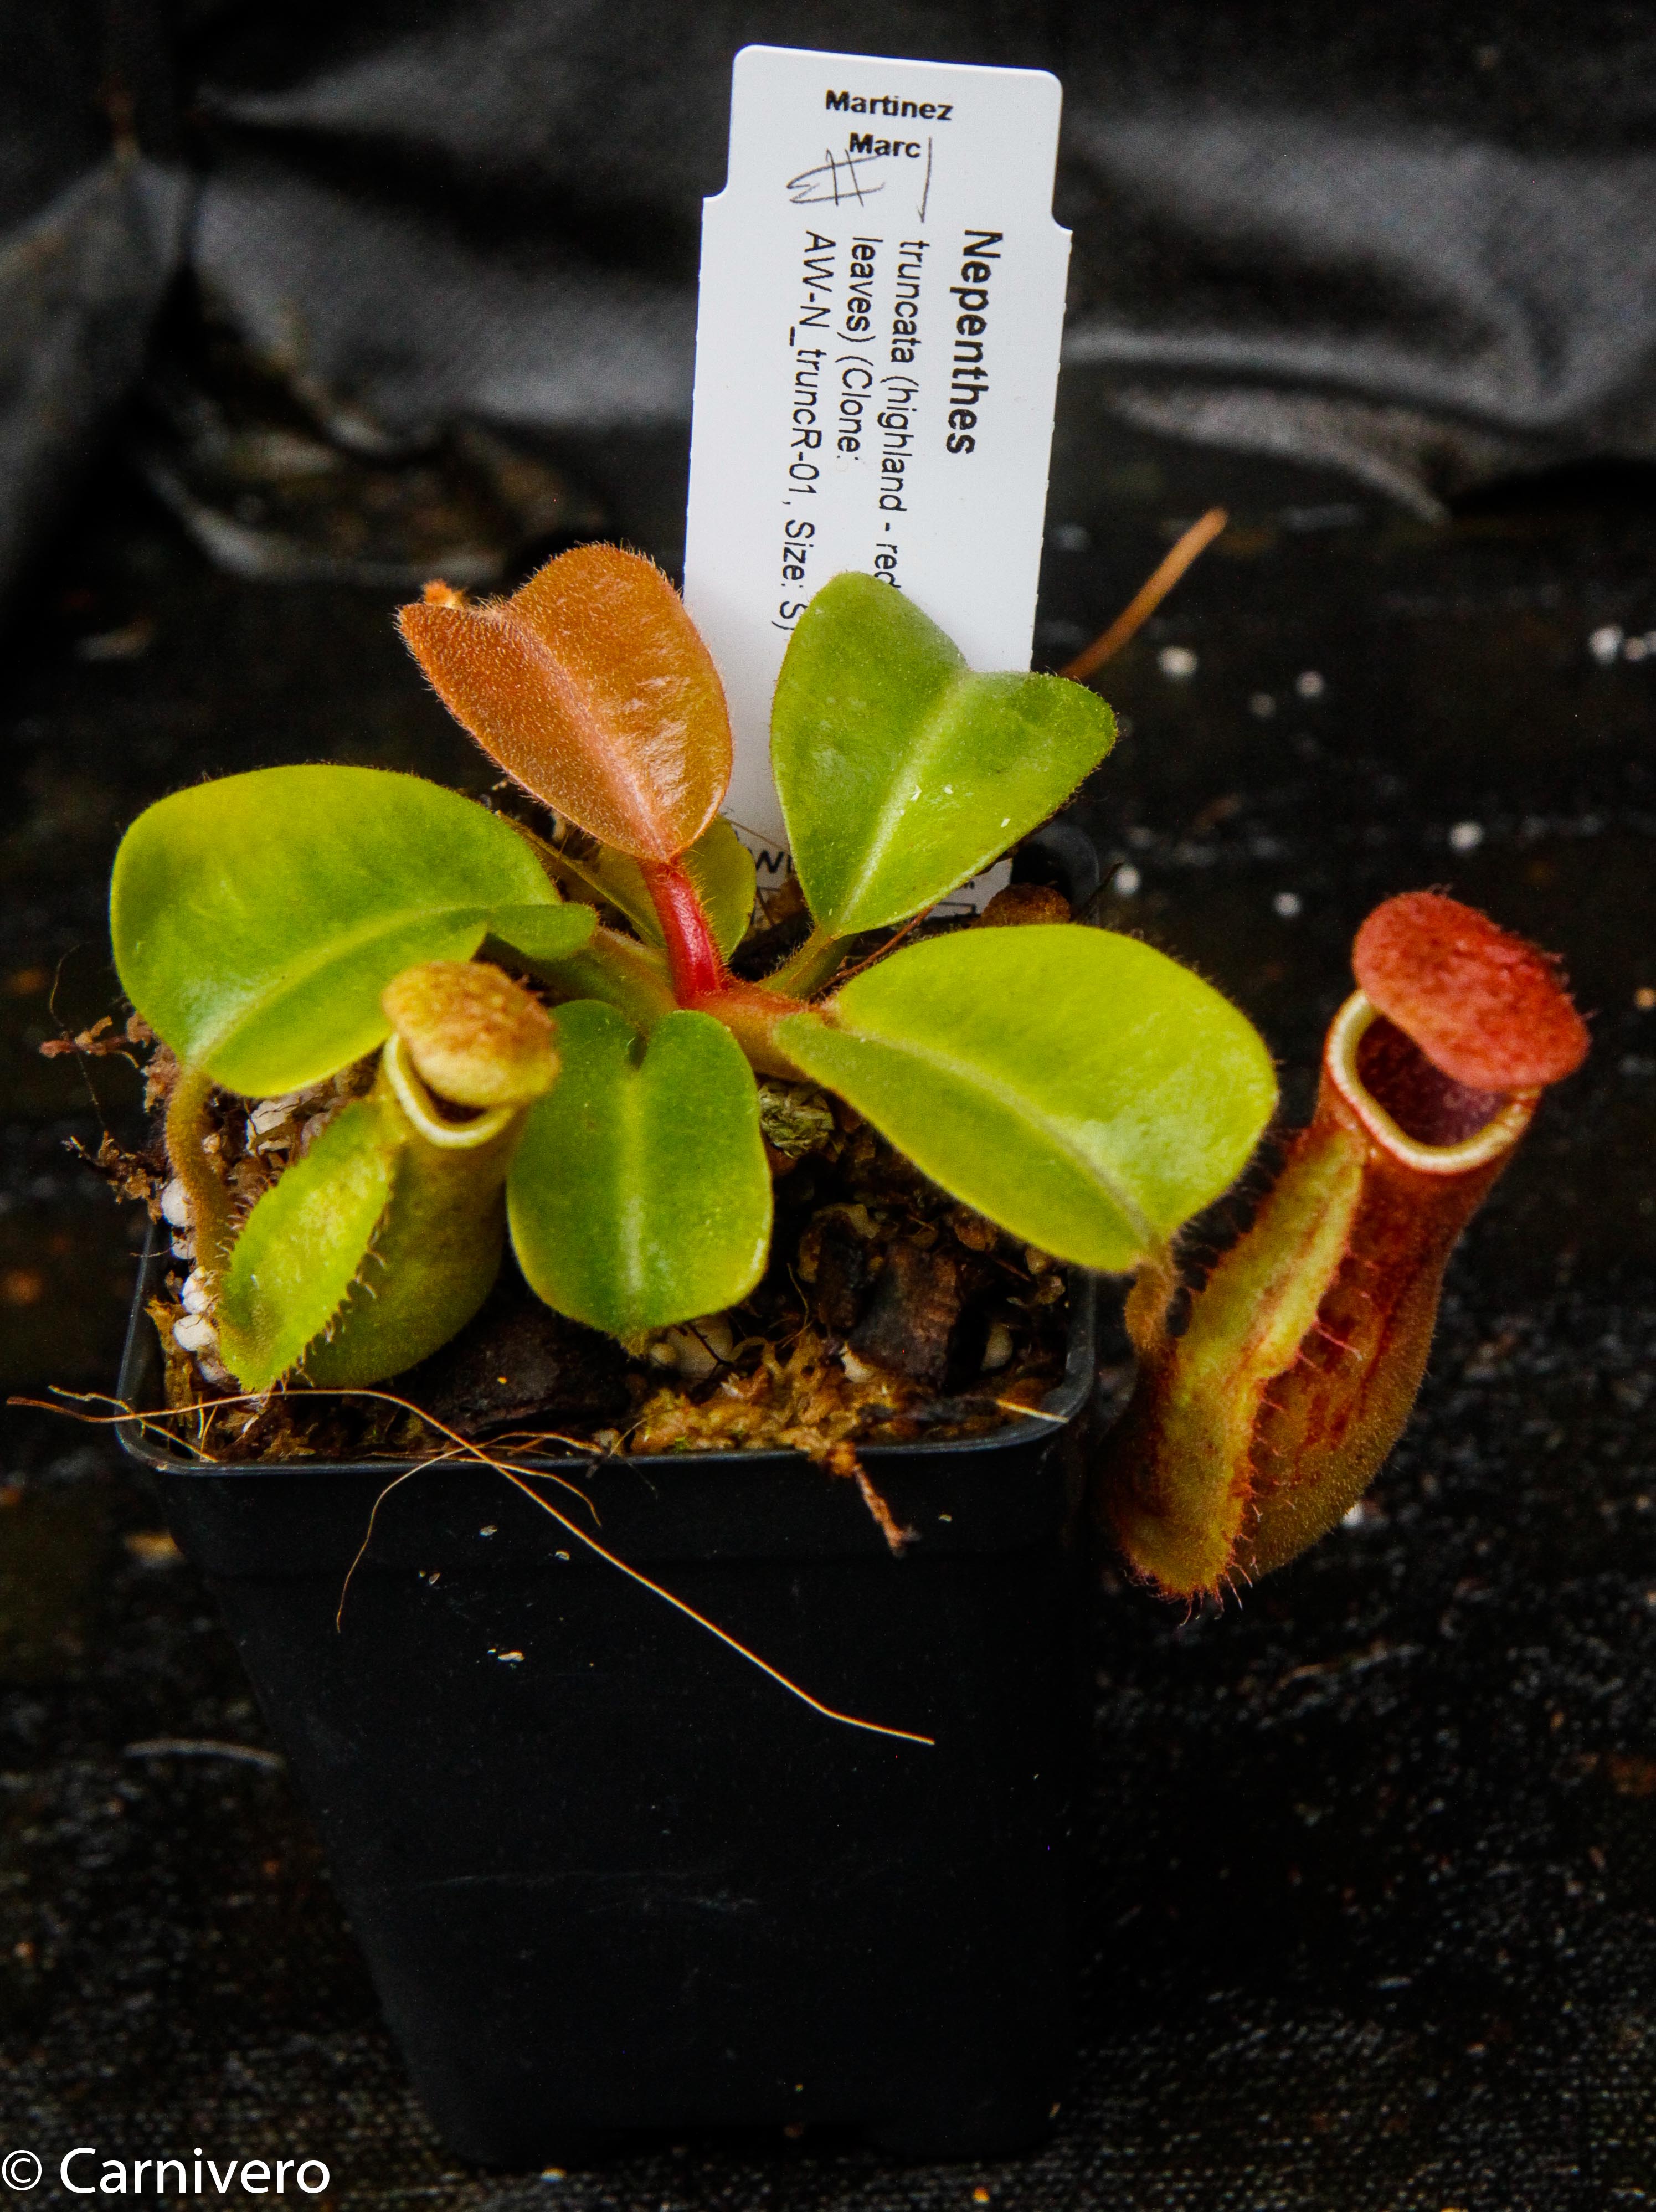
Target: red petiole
column 697, row 969
column 702, row 983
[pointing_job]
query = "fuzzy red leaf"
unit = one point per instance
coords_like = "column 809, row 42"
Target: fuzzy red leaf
column 593, row 690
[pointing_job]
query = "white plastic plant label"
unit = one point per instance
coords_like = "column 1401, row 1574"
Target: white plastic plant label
column 876, row 355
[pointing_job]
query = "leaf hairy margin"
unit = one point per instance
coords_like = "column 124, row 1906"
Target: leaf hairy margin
column 592, row 687
column 1078, row 1087
column 303, row 1246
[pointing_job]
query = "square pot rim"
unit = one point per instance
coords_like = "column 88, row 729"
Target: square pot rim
column 1056, row 1410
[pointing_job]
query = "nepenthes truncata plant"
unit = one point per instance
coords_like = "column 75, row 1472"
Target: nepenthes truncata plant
column 538, row 1040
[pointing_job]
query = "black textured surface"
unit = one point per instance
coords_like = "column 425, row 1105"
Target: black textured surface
column 1409, row 240
column 1414, row 243
column 1372, row 1918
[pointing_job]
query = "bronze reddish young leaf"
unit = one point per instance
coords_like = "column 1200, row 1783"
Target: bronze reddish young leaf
column 592, row 689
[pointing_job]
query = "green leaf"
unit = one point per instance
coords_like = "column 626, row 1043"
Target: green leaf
column 1085, row 1092
column 256, row 921
column 901, row 772
column 303, row 1247
column 640, row 1195
column 543, row 932
column 718, row 864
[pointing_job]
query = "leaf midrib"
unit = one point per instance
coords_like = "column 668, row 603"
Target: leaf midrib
column 610, row 747
column 932, row 728
column 974, row 1078
column 633, row 1207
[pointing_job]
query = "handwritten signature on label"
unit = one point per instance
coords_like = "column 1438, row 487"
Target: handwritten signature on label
column 838, row 177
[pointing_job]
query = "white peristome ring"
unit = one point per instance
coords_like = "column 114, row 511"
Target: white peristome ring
column 1498, row 1135
column 416, row 1102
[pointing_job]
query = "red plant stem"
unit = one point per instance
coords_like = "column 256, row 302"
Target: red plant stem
column 692, row 956
column 751, row 1013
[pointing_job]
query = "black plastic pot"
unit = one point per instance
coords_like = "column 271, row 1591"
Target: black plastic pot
column 608, row 1876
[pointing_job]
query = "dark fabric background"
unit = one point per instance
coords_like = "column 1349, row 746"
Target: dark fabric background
column 1414, row 242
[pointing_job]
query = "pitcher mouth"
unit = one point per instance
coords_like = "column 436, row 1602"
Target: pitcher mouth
column 1422, row 1118
column 455, row 1135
